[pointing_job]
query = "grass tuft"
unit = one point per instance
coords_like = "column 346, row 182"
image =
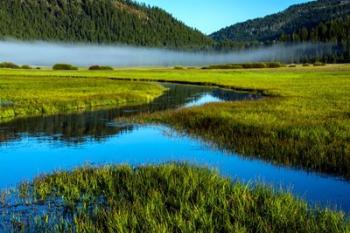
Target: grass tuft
column 166, row 198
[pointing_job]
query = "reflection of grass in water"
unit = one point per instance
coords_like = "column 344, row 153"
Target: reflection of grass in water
column 167, row 198
column 31, row 96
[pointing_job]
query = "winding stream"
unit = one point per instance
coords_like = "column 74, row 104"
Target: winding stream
column 32, row 146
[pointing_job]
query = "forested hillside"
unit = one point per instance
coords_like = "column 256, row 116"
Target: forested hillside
column 335, row 32
column 101, row 21
column 297, row 16
column 325, row 21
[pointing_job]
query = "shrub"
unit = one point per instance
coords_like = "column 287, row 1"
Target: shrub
column 254, row 65
column 64, row 67
column 96, row 67
column 224, row 66
column 9, row 65
column 179, row 68
column 319, row 63
column 274, row 65
column 306, row 64
column 292, row 65
column 26, row 67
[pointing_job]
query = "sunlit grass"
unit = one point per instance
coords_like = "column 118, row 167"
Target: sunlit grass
column 304, row 121
column 28, row 96
column 166, row 198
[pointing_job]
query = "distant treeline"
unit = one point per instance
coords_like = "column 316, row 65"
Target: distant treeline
column 257, row 65
column 325, row 21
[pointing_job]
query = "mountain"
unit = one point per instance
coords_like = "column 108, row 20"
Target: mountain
column 97, row 21
column 272, row 27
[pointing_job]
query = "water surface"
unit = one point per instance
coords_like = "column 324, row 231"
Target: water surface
column 32, row 146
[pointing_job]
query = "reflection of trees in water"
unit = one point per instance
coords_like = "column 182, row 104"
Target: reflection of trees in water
column 234, row 96
column 74, row 128
column 81, row 127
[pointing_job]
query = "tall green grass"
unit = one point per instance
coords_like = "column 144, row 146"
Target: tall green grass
column 166, row 198
column 319, row 148
column 32, row 96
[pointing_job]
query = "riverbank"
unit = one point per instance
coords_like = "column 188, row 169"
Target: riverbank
column 24, row 96
column 165, row 198
column 303, row 121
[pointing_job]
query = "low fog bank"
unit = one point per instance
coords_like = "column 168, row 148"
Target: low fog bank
column 46, row 54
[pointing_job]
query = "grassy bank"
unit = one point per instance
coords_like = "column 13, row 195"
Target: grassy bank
column 23, row 96
column 167, row 198
column 304, row 123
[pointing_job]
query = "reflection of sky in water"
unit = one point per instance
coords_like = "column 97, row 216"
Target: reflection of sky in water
column 31, row 147
column 30, row 157
column 206, row 98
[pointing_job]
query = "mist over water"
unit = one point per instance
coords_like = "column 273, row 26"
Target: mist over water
column 40, row 53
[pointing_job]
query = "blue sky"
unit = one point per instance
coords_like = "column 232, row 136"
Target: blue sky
column 211, row 15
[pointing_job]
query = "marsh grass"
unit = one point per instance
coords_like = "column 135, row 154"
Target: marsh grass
column 33, row 96
column 165, row 198
column 311, row 147
column 304, row 120
column 305, row 124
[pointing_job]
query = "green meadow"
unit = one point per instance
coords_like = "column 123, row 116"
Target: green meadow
column 303, row 121
column 23, row 96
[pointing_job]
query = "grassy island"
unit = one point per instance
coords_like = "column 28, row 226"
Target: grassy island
column 165, row 198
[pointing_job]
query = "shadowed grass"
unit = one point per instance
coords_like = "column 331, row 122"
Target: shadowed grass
column 166, row 198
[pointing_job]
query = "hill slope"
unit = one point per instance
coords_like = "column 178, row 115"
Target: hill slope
column 103, row 21
column 271, row 27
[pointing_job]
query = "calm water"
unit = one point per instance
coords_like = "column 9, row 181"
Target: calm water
column 29, row 147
